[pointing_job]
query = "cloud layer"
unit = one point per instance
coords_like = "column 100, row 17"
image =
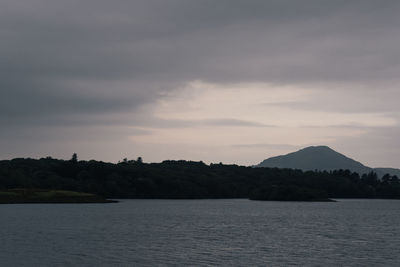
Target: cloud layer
column 104, row 71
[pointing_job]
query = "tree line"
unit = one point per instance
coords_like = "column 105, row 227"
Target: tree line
column 189, row 180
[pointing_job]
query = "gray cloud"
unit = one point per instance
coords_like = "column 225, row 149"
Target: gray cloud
column 217, row 122
column 380, row 100
column 377, row 148
column 48, row 43
column 93, row 62
column 267, row 146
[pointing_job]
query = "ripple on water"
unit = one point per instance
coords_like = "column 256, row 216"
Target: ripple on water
column 202, row 233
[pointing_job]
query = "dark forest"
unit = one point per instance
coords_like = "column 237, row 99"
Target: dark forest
column 191, row 180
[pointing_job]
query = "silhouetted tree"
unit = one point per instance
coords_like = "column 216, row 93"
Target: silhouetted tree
column 370, row 179
column 189, row 179
column 386, row 178
column 74, row 158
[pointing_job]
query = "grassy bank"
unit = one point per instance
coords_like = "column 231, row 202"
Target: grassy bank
column 14, row 196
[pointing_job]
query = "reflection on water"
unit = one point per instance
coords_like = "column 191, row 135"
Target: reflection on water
column 202, row 233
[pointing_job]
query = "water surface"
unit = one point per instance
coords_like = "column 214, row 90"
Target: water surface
column 202, row 233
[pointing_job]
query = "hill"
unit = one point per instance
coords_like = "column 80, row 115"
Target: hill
column 315, row 158
column 322, row 158
column 391, row 171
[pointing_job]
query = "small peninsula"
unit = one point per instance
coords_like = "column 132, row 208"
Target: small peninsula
column 22, row 196
column 289, row 193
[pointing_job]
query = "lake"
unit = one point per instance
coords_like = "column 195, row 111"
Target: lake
column 228, row 232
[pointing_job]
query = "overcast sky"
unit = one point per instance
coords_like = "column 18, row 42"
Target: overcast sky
column 219, row 81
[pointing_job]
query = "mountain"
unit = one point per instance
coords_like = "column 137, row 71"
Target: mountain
column 317, row 158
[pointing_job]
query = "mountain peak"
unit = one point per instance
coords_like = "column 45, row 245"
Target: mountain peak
column 317, row 148
column 315, row 158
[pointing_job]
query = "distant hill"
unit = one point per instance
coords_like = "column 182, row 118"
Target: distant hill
column 391, row 171
column 322, row 158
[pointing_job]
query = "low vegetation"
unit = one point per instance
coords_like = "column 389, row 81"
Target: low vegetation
column 24, row 195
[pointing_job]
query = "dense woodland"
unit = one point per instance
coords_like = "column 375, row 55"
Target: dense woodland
column 188, row 179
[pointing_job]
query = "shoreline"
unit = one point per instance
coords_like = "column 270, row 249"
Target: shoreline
column 43, row 196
